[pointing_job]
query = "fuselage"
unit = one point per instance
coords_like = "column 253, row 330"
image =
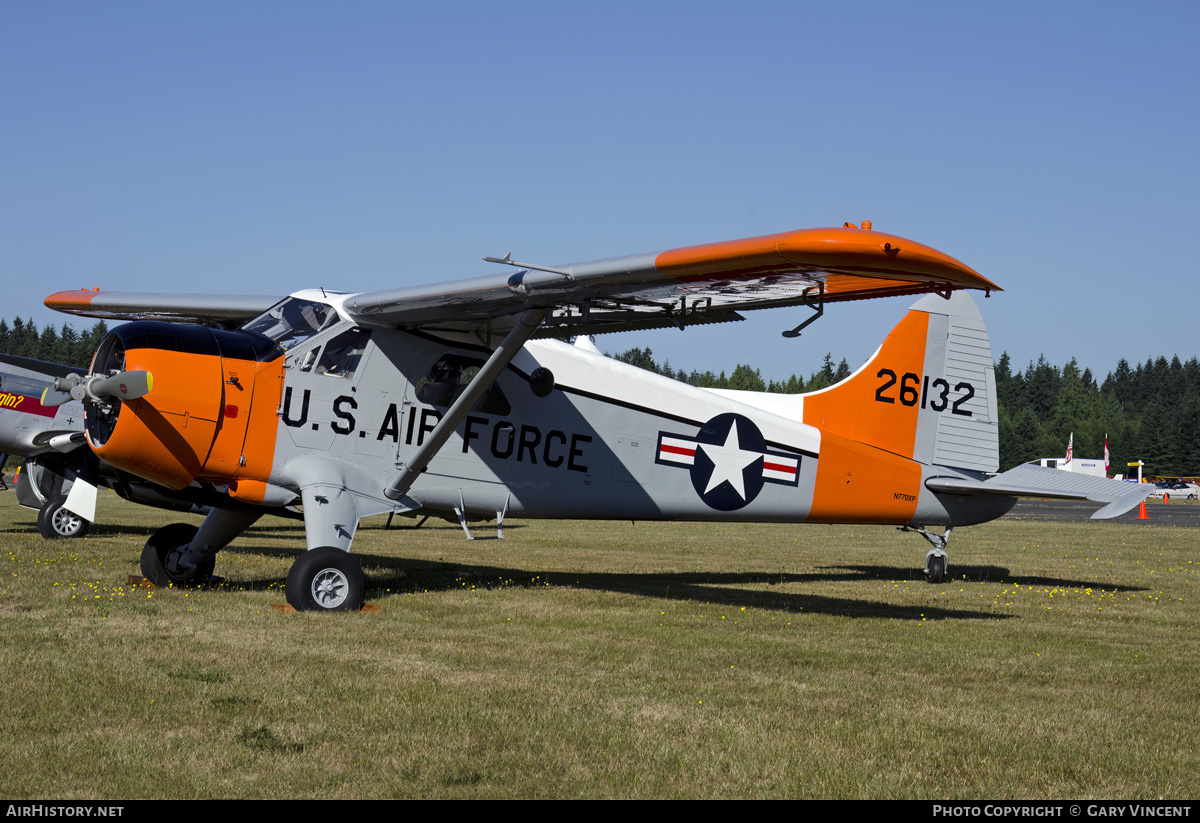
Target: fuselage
column 563, row 432
column 26, row 426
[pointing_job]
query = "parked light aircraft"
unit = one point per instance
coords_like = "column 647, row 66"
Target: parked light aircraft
column 50, row 438
column 462, row 399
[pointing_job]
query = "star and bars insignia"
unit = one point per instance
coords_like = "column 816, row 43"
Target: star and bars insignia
column 728, row 460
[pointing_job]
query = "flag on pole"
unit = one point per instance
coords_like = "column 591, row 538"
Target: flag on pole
column 1070, row 448
column 1106, row 468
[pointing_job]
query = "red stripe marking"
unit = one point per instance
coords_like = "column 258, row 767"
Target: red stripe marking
column 779, row 467
column 29, row 405
column 677, row 450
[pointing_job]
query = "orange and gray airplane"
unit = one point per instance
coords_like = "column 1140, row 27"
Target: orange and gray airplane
column 464, row 400
column 51, row 441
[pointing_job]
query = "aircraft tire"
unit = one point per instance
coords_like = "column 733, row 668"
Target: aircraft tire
column 160, row 544
column 325, row 580
column 55, row 522
column 937, row 569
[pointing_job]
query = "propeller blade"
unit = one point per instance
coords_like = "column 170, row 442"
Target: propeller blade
column 51, row 397
column 59, row 391
column 128, row 385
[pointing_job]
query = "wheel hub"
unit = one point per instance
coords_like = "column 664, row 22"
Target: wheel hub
column 66, row 523
column 177, row 564
column 330, row 588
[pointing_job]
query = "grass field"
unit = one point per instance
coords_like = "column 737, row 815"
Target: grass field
column 609, row 660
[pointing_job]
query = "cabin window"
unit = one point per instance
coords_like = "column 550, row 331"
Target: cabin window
column 449, row 377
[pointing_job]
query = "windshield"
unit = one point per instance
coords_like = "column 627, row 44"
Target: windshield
column 293, row 321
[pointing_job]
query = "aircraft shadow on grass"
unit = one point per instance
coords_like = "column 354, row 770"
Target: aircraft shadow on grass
column 976, row 574
column 391, row 575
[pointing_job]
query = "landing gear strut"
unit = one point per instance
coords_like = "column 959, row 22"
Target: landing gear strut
column 936, row 559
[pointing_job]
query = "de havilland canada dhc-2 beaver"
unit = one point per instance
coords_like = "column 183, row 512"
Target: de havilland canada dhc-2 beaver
column 464, row 400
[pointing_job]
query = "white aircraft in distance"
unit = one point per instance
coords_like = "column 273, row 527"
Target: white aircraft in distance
column 461, row 400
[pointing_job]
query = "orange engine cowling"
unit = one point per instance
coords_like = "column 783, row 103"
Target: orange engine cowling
column 215, row 393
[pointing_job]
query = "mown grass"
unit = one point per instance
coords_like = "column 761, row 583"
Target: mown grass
column 609, row 660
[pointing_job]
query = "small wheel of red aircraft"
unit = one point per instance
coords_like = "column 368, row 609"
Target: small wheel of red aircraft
column 55, row 521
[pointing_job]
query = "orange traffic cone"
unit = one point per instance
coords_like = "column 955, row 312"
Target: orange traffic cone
column 1142, row 512
column 1166, row 497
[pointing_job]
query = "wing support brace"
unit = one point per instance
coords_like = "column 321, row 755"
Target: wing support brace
column 501, row 357
column 818, row 309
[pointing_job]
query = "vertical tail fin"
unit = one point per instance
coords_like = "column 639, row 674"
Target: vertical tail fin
column 929, row 393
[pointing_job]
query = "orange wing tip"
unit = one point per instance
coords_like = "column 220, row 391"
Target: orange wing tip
column 846, row 250
column 67, row 301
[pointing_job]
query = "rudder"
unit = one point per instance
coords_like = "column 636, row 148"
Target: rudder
column 928, row 393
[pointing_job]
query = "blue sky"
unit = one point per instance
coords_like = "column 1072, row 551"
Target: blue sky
column 261, row 147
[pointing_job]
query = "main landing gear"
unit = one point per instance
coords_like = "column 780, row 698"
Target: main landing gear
column 325, row 580
column 936, row 559
column 322, row 580
column 163, row 558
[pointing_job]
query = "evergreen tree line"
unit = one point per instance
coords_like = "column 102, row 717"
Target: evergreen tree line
column 1150, row 412
column 743, row 378
column 64, row 346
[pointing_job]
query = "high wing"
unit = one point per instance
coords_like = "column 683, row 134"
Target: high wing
column 709, row 283
column 213, row 309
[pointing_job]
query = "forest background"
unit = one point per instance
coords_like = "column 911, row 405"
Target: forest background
column 1149, row 412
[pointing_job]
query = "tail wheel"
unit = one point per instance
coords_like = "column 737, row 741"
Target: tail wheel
column 937, row 569
column 325, row 580
column 158, row 564
column 55, row 522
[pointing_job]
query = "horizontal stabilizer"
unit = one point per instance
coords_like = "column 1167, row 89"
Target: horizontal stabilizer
column 1038, row 481
column 962, row 485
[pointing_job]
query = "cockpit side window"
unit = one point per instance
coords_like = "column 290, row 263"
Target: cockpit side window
column 343, row 354
column 293, row 321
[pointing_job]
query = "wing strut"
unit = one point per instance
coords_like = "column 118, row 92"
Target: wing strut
column 819, row 308
column 501, row 357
